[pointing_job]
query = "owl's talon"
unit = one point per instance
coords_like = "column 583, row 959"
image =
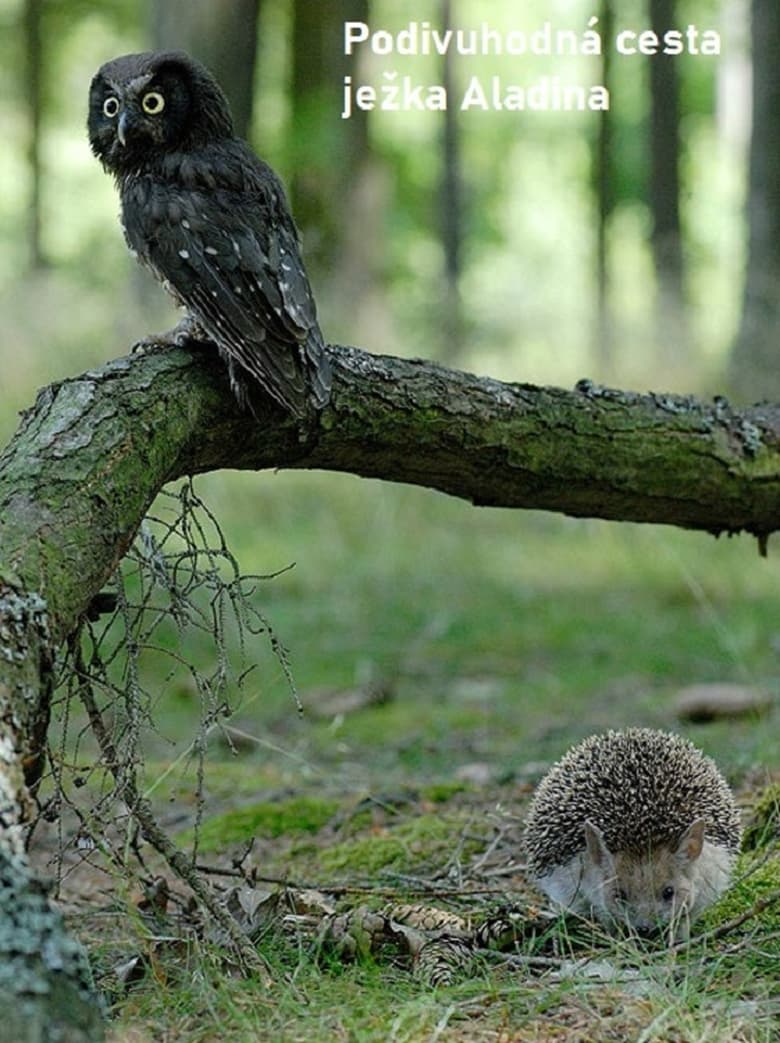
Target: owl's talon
column 185, row 334
column 141, row 347
column 155, row 341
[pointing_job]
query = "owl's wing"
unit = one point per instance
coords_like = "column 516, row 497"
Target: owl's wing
column 233, row 259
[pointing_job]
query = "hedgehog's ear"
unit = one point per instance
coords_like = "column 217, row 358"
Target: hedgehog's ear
column 596, row 845
column 691, row 842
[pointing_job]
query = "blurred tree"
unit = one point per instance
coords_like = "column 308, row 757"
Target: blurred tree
column 664, row 143
column 755, row 362
column 341, row 191
column 451, row 202
column 327, row 152
column 604, row 177
column 220, row 33
column 33, row 93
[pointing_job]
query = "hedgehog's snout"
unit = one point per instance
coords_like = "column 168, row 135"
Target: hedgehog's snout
column 646, row 929
column 639, row 920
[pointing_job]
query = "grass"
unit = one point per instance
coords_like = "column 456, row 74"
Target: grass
column 682, row 1002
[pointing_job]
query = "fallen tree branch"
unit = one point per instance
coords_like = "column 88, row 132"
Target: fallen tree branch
column 93, row 452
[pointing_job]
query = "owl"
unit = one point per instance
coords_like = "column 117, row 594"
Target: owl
column 211, row 221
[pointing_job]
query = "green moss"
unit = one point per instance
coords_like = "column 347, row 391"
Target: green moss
column 757, row 962
column 752, row 882
column 266, row 819
column 364, row 856
column 441, row 792
column 358, row 822
column 423, row 839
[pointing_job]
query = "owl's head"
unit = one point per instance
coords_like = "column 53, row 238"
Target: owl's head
column 141, row 104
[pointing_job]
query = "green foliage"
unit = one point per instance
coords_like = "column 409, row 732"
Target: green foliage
column 345, row 1002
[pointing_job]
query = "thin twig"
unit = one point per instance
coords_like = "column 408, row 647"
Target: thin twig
column 141, row 810
column 350, row 889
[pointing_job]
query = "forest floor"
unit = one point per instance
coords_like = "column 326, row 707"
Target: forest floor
column 444, row 656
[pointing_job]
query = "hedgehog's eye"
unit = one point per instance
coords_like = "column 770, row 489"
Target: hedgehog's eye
column 622, row 895
column 668, row 893
column 111, row 106
column 153, row 102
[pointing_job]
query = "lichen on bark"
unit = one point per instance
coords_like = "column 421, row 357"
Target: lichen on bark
column 46, row 991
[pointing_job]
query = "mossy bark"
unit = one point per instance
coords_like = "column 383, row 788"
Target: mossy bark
column 46, row 992
column 92, row 453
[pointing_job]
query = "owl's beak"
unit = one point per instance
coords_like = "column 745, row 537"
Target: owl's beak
column 121, row 129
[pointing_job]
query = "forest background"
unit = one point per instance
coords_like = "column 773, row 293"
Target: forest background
column 637, row 247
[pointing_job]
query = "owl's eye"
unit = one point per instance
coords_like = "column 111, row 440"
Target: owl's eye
column 153, row 102
column 111, row 106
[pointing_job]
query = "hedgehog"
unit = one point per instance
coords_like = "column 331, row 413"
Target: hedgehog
column 637, row 828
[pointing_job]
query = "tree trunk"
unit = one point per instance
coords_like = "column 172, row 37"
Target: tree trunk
column 223, row 35
column 450, row 193
column 46, row 991
column 340, row 192
column 327, row 153
column 603, row 179
column 92, row 453
column 755, row 364
column 33, row 90
column 664, row 143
